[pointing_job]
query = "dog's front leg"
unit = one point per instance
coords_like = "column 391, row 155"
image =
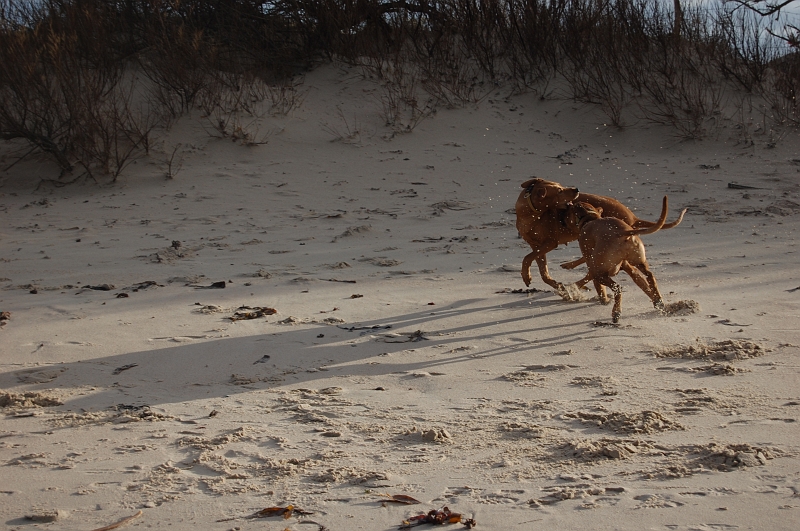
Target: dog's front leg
column 540, row 255
column 545, row 274
column 526, row 268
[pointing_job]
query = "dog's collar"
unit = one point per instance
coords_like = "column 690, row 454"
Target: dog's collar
column 536, row 211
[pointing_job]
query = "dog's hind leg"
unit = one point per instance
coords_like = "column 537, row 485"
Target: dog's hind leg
column 638, row 278
column 653, row 293
column 574, row 263
column 616, row 311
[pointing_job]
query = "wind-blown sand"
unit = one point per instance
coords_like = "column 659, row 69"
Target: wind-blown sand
column 400, row 358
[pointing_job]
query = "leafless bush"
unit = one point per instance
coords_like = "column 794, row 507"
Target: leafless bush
column 687, row 101
column 454, row 80
column 69, row 88
column 236, row 126
column 743, row 48
column 178, row 61
column 174, row 162
column 224, row 99
column 65, row 94
column 680, row 87
column 484, row 32
column 350, row 134
column 602, row 46
column 532, row 54
column 285, row 97
column 403, row 114
column 69, row 85
column 403, row 102
column 784, row 96
column 235, row 103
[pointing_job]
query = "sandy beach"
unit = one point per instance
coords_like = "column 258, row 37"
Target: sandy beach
column 336, row 317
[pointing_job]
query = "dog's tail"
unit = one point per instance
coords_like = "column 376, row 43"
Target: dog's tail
column 658, row 225
column 676, row 222
column 644, row 224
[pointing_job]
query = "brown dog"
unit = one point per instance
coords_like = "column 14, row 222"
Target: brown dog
column 608, row 245
column 541, row 209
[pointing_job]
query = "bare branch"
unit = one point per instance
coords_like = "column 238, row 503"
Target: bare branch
column 768, row 9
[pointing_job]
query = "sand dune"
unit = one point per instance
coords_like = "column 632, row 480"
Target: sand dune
column 338, row 315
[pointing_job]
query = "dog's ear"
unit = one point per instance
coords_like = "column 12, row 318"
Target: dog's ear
column 529, row 182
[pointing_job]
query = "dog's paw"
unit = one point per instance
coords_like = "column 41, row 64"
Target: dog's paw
column 615, row 317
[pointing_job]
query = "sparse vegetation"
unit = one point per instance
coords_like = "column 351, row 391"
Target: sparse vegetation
column 89, row 83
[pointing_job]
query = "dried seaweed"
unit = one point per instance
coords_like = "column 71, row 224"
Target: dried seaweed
column 438, row 517
column 246, row 312
column 285, row 512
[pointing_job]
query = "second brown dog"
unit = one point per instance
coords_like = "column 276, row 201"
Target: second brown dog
column 608, row 245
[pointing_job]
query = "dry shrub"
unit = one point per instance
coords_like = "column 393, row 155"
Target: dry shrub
column 69, row 90
column 682, row 92
column 234, row 104
column 784, row 96
column 403, row 105
column 64, row 91
column 177, row 62
column 595, row 47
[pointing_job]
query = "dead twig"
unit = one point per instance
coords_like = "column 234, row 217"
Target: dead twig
column 124, row 521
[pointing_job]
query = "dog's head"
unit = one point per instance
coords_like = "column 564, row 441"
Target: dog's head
column 580, row 213
column 544, row 194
